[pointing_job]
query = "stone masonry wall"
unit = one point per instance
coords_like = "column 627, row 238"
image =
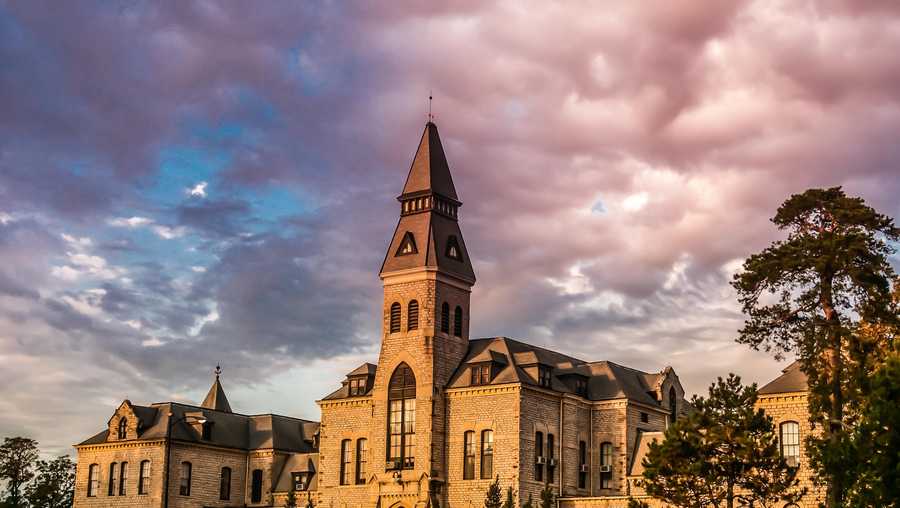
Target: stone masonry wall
column 206, row 466
column 346, row 419
column 132, row 452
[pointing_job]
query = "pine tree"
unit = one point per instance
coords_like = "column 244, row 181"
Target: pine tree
column 291, row 500
column 547, row 497
column 725, row 451
column 493, row 497
column 830, row 273
column 510, row 502
column 529, row 503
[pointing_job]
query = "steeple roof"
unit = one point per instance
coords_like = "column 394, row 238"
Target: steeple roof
column 430, row 172
column 216, row 398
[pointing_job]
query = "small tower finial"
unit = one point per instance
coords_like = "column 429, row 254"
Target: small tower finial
column 218, row 370
column 430, row 116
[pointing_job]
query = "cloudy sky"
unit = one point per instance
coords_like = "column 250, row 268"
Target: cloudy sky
column 186, row 183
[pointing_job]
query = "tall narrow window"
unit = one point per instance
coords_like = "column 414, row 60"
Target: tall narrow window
column 606, row 465
column 345, row 462
column 412, row 315
column 206, row 431
column 225, row 484
column 790, row 443
column 93, row 480
column 395, row 317
column 445, row 317
column 256, row 486
column 457, row 321
column 673, row 404
column 469, row 455
column 185, row 486
column 401, row 443
column 551, row 461
column 113, row 479
column 144, row 479
column 582, row 465
column 123, row 428
column 538, row 456
column 362, row 460
column 123, row 478
column 487, row 454
column 544, row 376
column 453, row 251
column 481, row 374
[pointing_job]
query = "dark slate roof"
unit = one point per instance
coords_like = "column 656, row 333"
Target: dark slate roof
column 606, row 380
column 791, row 380
column 366, row 369
column 641, row 448
column 429, row 171
column 343, row 392
column 231, row 430
column 216, row 398
column 297, row 463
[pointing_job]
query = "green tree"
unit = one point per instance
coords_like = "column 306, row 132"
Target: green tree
column 494, row 496
column 725, row 451
column 547, row 497
column 17, row 460
column 291, row 500
column 804, row 295
column 510, row 502
column 54, row 485
column 529, row 503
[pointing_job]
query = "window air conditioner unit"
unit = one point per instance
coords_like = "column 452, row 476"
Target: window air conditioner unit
column 540, row 461
column 393, row 464
column 584, row 468
column 606, row 469
column 551, row 462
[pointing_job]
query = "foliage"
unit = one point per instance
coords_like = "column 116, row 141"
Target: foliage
column 725, row 451
column 291, row 500
column 806, row 294
column 547, row 497
column 494, row 495
column 634, row 503
column 17, row 460
column 529, row 503
column 510, row 502
column 54, row 486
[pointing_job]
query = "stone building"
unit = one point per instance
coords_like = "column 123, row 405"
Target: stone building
column 431, row 424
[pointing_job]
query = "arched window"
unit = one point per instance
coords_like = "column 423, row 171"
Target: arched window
column 123, row 428
column 345, row 462
column 256, row 486
column 144, row 478
column 445, row 317
column 225, row 484
column 487, row 454
column 113, row 479
column 395, row 317
column 790, row 442
column 401, row 443
column 123, row 478
column 412, row 315
column 362, row 460
column 93, row 480
column 606, row 460
column 673, row 404
column 469, row 455
column 185, row 486
column 457, row 321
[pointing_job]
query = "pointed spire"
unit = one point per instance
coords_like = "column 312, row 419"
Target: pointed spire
column 216, row 398
column 430, row 172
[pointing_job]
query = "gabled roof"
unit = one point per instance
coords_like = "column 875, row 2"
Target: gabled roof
column 429, row 171
column 366, row 369
column 791, row 380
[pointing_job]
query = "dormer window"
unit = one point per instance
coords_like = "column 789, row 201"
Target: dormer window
column 357, row 386
column 544, row 376
column 206, row 430
column 407, row 245
column 481, row 374
column 581, row 387
column 453, row 251
column 123, row 428
column 301, row 481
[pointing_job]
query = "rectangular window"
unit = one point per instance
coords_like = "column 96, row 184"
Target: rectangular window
column 301, row 482
column 409, row 438
column 481, row 374
column 357, row 387
column 645, row 418
column 123, row 478
column 144, row 480
column 362, row 460
column 582, row 465
column 487, row 454
column 538, row 456
column 606, row 466
column 256, row 486
column 93, row 480
column 206, row 429
column 225, row 484
column 551, row 460
column 790, row 443
column 345, row 462
column 581, row 387
column 113, row 479
column 396, row 430
column 185, row 487
column 544, row 376
column 469, row 455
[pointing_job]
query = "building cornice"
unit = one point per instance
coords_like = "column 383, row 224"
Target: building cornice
column 480, row 390
column 430, row 273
